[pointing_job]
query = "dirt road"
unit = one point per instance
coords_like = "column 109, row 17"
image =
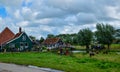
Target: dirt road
column 4, row 67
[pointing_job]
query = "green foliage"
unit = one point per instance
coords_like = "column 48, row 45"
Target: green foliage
column 105, row 33
column 32, row 38
column 85, row 38
column 44, row 48
column 50, row 36
column 69, row 38
column 41, row 39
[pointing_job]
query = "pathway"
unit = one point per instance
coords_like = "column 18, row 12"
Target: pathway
column 4, row 67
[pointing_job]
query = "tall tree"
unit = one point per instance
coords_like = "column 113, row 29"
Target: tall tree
column 85, row 37
column 105, row 34
column 41, row 39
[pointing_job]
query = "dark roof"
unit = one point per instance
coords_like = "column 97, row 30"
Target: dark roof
column 51, row 41
column 17, row 35
column 6, row 35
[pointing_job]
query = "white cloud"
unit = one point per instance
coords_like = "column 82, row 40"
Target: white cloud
column 71, row 28
column 27, row 13
column 17, row 14
column 71, row 19
column 47, row 28
column 44, row 21
column 2, row 23
column 41, row 17
column 112, row 12
column 23, row 24
column 13, row 3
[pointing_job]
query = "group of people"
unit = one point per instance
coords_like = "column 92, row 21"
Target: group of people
column 65, row 51
column 95, row 49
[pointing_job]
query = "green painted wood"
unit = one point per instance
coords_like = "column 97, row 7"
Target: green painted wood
column 19, row 43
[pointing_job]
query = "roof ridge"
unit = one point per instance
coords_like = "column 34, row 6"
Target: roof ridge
column 6, row 28
column 51, row 40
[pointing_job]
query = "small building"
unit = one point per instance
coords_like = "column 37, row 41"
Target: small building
column 17, row 42
column 51, row 43
column 36, row 45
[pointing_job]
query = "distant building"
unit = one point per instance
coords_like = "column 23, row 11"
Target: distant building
column 51, row 43
column 14, row 42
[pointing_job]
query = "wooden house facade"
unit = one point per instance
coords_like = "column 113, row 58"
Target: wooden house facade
column 51, row 43
column 19, row 42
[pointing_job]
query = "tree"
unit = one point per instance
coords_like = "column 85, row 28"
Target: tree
column 104, row 34
column 32, row 38
column 85, row 37
column 75, row 40
column 41, row 39
column 69, row 38
column 50, row 36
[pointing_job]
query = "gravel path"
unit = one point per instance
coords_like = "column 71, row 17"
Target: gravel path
column 4, row 67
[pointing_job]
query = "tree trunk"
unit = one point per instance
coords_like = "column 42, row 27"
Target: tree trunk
column 108, row 47
column 87, row 48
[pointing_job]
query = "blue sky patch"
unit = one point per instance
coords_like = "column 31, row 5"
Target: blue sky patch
column 3, row 12
column 26, row 4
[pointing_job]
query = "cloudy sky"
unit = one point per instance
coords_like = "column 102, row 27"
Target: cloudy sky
column 41, row 17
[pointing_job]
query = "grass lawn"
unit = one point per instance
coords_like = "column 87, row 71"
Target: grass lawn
column 113, row 47
column 116, row 46
column 77, row 63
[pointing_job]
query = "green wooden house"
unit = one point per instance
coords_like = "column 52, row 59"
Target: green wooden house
column 20, row 42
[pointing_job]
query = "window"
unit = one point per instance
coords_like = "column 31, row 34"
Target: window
column 21, row 44
column 26, row 44
column 11, row 45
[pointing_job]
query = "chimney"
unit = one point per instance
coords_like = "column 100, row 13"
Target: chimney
column 20, row 29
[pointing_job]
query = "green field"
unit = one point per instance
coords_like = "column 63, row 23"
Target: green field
column 77, row 63
column 115, row 47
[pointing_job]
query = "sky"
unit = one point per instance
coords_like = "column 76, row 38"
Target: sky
column 41, row 17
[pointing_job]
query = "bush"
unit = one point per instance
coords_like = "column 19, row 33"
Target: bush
column 44, row 48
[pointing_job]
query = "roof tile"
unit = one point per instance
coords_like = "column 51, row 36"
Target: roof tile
column 6, row 35
column 51, row 41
